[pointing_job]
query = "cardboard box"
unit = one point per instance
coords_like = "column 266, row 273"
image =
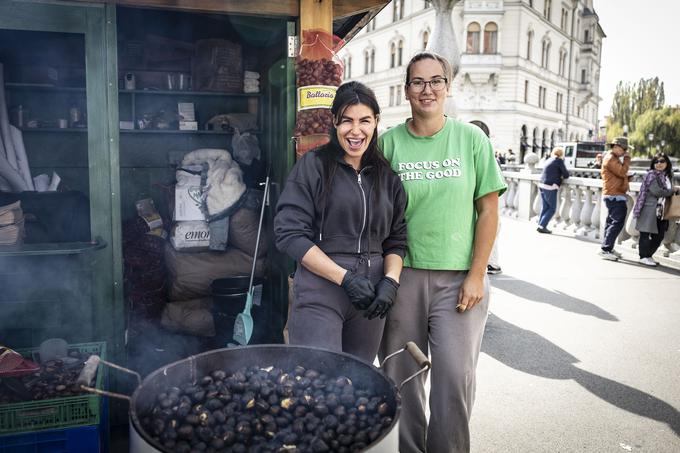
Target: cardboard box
column 191, row 235
column 188, row 203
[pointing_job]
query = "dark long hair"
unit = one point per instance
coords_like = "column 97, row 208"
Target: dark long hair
column 669, row 167
column 349, row 94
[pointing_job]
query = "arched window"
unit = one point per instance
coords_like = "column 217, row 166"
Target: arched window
column 367, row 61
column 481, row 125
column 535, row 145
column 545, row 55
column 393, row 54
column 473, row 38
column 400, row 52
column 563, row 62
column 426, row 38
column 530, row 39
column 372, row 60
column 491, row 38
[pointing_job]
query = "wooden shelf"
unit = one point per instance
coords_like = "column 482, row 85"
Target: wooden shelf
column 54, row 129
column 43, row 87
column 52, row 248
column 189, row 93
column 175, row 131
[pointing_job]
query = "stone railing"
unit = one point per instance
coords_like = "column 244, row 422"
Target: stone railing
column 581, row 212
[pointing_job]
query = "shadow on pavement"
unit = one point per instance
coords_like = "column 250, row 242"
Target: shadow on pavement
column 531, row 353
column 529, row 291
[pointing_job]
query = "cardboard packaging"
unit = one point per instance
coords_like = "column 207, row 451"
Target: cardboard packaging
column 188, row 195
column 191, row 235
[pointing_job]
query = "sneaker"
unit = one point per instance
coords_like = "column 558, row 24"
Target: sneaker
column 493, row 270
column 608, row 255
column 648, row 262
column 618, row 254
column 543, row 230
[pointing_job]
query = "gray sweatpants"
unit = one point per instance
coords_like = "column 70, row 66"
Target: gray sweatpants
column 323, row 316
column 425, row 312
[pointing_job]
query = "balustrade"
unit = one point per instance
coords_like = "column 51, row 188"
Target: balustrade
column 581, row 211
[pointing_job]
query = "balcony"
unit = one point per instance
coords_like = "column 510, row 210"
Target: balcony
column 485, row 6
column 470, row 61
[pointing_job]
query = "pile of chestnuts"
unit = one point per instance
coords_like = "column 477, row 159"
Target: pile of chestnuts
column 313, row 121
column 55, row 379
column 268, row 410
column 318, row 72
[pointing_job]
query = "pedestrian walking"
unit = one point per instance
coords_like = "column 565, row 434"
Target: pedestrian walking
column 341, row 217
column 452, row 183
column 554, row 172
column 614, row 173
column 649, row 207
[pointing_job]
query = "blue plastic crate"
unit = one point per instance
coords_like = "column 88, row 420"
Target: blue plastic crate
column 80, row 439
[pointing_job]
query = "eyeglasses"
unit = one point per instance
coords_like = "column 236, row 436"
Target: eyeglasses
column 660, row 161
column 436, row 84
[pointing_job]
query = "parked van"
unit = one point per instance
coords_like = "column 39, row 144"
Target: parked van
column 581, row 154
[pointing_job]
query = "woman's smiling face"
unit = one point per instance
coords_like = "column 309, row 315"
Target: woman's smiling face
column 427, row 102
column 355, row 128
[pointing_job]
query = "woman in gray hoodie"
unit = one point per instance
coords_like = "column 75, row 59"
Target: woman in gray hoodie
column 341, row 217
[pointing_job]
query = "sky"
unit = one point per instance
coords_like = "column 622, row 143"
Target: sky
column 643, row 41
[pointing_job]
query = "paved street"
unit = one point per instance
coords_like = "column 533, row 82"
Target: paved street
column 580, row 354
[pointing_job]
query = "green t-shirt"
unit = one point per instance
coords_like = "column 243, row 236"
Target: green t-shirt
column 443, row 175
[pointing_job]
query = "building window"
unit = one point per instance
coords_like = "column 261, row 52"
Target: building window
column 526, row 91
column 426, row 38
column 391, row 96
column 541, row 97
column 531, row 3
column 428, row 4
column 563, row 62
column 490, row 38
column 348, row 68
column 367, row 61
column 583, row 76
column 398, row 95
column 546, row 9
column 586, row 35
column 473, row 38
column 372, row 60
column 558, row 102
column 400, row 53
column 545, row 55
column 564, row 19
column 397, row 10
column 371, row 25
column 530, row 39
column 393, row 54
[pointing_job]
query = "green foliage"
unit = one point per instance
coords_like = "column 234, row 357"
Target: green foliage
column 664, row 124
column 631, row 101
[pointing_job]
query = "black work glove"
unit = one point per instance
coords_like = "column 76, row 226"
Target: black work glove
column 359, row 289
column 385, row 293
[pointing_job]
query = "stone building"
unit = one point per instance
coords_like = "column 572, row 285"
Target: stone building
column 530, row 69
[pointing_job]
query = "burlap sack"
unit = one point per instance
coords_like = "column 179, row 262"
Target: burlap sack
column 192, row 317
column 191, row 273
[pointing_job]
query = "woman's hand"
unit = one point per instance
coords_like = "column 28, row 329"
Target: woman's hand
column 385, row 295
column 471, row 292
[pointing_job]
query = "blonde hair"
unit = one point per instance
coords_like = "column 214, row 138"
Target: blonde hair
column 557, row 152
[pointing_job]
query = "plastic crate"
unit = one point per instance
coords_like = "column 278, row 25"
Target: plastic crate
column 54, row 413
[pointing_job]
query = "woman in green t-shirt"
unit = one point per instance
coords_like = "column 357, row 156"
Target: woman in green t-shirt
column 452, row 184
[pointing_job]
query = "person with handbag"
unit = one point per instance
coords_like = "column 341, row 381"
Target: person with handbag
column 649, row 207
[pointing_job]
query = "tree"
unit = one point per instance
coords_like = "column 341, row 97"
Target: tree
column 664, row 124
column 631, row 101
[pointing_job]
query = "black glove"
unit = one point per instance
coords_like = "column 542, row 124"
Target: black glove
column 385, row 293
column 359, row 289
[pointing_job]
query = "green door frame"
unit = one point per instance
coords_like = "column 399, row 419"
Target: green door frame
column 97, row 23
